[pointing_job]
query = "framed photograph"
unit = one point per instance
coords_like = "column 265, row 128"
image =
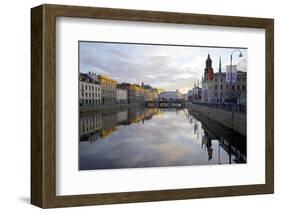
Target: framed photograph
column 136, row 106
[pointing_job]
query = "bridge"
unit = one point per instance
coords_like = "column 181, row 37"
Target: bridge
column 164, row 103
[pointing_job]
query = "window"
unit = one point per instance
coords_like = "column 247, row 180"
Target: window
column 216, row 87
column 226, row 87
column 238, row 87
column 243, row 87
column 232, row 87
column 221, row 87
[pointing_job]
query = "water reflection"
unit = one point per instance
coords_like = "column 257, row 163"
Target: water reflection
column 153, row 137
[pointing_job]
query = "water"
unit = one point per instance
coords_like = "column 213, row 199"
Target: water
column 152, row 137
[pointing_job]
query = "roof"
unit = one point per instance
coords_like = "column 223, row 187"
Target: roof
column 106, row 78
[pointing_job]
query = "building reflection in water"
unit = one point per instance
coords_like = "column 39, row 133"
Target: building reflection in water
column 103, row 123
column 233, row 143
column 212, row 138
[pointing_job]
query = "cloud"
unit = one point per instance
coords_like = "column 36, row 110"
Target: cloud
column 167, row 67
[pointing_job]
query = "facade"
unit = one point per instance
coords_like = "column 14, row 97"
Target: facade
column 139, row 93
column 90, row 90
column 170, row 95
column 221, row 91
column 108, row 90
column 189, row 95
column 150, row 94
column 135, row 93
column 122, row 96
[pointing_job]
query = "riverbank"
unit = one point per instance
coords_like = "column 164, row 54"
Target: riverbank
column 233, row 120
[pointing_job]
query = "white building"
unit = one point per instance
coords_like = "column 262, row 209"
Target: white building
column 89, row 91
column 170, row 95
column 122, row 96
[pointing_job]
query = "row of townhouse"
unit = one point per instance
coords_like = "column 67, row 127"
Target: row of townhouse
column 99, row 89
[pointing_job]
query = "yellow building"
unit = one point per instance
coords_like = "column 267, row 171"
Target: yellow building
column 138, row 93
column 108, row 90
column 151, row 94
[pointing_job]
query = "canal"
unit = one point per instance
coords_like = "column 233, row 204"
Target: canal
column 153, row 137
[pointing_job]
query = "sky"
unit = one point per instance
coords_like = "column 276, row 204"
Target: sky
column 161, row 66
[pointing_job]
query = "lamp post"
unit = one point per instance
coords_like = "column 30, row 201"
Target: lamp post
column 230, row 82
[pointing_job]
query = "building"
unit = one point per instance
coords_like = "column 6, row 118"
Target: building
column 139, row 93
column 150, row 94
column 108, row 90
column 189, row 95
column 221, row 91
column 219, row 88
column 170, row 95
column 90, row 89
column 121, row 96
column 135, row 93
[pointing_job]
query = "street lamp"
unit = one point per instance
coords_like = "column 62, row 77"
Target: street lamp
column 240, row 55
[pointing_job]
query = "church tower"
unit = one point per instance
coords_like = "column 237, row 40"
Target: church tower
column 209, row 72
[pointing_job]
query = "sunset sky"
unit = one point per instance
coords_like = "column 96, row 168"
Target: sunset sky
column 161, row 66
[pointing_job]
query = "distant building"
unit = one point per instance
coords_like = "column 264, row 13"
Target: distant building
column 170, row 95
column 150, row 94
column 90, row 90
column 189, row 95
column 135, row 93
column 108, row 90
column 121, row 96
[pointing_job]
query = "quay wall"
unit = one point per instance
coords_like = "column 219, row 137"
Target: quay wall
column 89, row 108
column 233, row 120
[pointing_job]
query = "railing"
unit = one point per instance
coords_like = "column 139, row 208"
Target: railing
column 225, row 106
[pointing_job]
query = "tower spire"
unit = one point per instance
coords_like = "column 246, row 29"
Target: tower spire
column 220, row 66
